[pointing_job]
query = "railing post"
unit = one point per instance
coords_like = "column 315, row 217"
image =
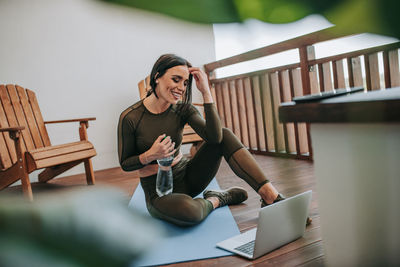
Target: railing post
column 306, row 53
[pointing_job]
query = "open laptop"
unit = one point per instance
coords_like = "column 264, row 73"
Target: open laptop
column 278, row 224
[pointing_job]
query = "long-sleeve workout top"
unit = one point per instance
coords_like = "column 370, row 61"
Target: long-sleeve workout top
column 138, row 128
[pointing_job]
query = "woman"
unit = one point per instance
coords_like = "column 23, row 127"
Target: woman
column 152, row 129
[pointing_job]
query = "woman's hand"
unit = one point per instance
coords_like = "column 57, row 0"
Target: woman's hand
column 163, row 147
column 202, row 83
column 152, row 169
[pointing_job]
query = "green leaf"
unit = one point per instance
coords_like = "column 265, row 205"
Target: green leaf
column 350, row 16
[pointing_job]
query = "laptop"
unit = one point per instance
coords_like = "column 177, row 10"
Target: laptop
column 278, row 224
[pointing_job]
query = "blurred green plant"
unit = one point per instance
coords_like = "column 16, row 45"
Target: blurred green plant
column 75, row 228
column 350, row 16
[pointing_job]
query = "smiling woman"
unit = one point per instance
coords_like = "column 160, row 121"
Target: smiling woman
column 152, row 128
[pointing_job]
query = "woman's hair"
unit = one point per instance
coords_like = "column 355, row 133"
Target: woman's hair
column 161, row 66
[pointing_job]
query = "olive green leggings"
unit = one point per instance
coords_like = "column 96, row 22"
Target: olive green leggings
column 179, row 207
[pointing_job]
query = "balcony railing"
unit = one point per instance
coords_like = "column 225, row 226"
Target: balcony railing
column 248, row 103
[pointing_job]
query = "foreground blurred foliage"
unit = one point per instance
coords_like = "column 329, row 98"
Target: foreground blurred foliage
column 350, row 16
column 77, row 228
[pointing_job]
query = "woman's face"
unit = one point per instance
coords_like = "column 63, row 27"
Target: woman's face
column 172, row 85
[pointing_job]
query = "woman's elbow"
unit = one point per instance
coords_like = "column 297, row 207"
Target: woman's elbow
column 215, row 138
column 125, row 166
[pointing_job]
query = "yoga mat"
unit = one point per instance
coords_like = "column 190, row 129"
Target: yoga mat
column 187, row 243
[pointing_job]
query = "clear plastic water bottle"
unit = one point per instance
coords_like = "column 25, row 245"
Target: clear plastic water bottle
column 164, row 183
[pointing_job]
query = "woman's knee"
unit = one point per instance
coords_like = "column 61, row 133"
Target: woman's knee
column 230, row 142
column 192, row 213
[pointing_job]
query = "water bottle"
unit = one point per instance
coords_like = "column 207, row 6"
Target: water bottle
column 164, row 183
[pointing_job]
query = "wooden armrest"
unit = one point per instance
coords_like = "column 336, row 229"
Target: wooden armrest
column 12, row 129
column 197, row 104
column 72, row 120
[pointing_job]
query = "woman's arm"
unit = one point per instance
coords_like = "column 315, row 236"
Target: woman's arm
column 128, row 156
column 209, row 129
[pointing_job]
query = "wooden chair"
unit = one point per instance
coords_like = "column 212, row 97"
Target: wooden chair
column 189, row 135
column 27, row 147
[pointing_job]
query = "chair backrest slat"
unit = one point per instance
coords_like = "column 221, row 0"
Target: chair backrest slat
column 38, row 117
column 7, row 148
column 9, row 111
column 30, row 119
column 19, row 114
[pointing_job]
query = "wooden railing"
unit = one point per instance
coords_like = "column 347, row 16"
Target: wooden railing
column 248, row 103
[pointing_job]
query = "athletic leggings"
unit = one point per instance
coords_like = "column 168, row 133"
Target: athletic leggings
column 179, row 207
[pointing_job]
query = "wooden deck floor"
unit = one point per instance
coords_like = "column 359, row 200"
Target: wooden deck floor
column 288, row 175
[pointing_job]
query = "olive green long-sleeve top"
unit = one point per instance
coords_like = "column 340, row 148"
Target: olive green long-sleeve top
column 138, row 128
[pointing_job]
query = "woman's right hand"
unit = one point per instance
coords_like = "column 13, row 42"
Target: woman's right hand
column 162, row 147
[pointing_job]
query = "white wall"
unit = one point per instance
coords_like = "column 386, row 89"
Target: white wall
column 85, row 57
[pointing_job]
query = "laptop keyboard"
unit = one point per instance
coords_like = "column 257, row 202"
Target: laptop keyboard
column 247, row 248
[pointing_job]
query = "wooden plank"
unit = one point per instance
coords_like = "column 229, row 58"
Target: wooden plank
column 255, row 73
column 214, row 96
column 295, row 125
column 61, row 150
column 188, row 130
column 267, row 112
column 287, row 97
column 142, row 89
column 357, row 53
column 242, row 114
column 321, row 78
column 191, row 138
column 374, row 71
column 298, row 91
column 250, row 113
column 305, row 77
column 279, row 133
column 19, row 114
column 9, row 176
column 312, row 71
column 55, row 147
column 5, row 159
column 33, row 128
column 281, row 99
column 9, row 111
column 394, row 68
column 38, row 117
column 386, row 70
column 335, row 75
column 52, row 172
column 235, row 110
column 258, row 113
column 220, row 105
column 339, row 73
column 350, row 71
column 295, row 257
column 227, row 106
column 357, row 73
column 147, row 82
column 7, row 146
column 90, row 179
column 53, row 161
column 326, row 68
